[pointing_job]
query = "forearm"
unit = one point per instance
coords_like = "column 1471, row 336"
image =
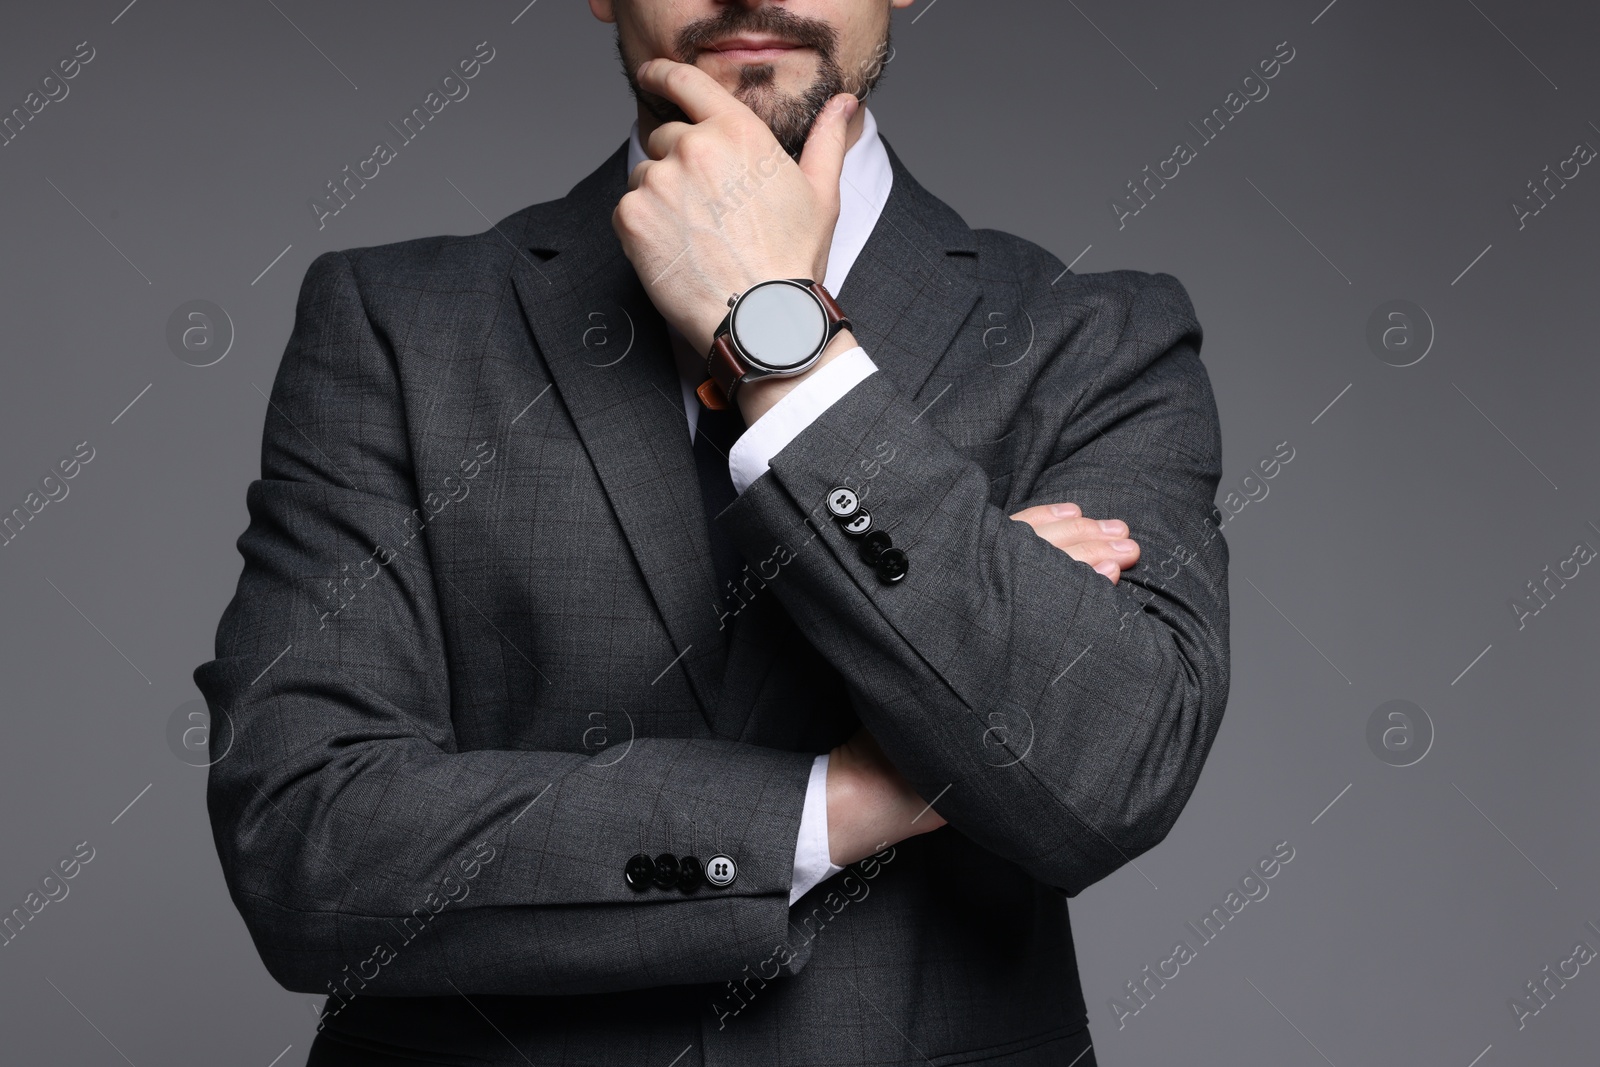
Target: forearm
column 340, row 794
column 1108, row 696
column 338, row 840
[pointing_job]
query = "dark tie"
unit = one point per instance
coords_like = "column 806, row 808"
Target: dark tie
column 714, row 435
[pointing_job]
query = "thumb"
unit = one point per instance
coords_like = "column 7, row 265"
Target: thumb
column 823, row 157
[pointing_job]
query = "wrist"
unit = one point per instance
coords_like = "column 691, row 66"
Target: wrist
column 855, row 800
column 840, row 793
column 757, row 398
column 708, row 318
column 707, row 321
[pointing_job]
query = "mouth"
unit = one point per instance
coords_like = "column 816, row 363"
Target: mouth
column 752, row 48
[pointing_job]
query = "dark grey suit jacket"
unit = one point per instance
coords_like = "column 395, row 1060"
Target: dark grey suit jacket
column 477, row 659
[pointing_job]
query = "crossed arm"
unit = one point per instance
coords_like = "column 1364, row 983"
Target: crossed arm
column 1113, row 692
column 870, row 803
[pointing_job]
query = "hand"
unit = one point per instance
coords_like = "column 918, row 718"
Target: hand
column 870, row 803
column 720, row 206
column 1103, row 544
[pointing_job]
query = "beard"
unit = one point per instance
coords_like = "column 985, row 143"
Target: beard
column 789, row 116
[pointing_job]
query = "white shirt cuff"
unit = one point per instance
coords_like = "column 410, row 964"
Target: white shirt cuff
column 753, row 451
column 813, row 862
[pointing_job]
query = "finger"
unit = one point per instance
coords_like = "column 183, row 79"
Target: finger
column 1120, row 553
column 636, row 176
column 822, row 159
column 665, row 138
column 691, row 88
column 1064, row 532
column 1042, row 513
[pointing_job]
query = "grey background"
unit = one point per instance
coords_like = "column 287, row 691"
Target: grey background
column 1380, row 566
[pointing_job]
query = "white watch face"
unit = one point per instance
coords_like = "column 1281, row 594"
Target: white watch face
column 779, row 325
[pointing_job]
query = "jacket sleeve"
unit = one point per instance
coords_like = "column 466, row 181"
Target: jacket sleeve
column 1056, row 719
column 368, row 853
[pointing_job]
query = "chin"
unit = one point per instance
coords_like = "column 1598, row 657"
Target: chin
column 791, row 74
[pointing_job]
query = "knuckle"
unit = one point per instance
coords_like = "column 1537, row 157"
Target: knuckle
column 655, row 178
column 1046, row 535
column 694, row 149
column 677, row 78
column 742, row 126
column 626, row 215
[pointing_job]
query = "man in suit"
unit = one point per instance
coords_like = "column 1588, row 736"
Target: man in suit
column 673, row 627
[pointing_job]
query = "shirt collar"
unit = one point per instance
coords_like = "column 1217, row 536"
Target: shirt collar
column 864, row 186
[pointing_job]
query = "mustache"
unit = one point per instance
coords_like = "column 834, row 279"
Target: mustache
column 702, row 34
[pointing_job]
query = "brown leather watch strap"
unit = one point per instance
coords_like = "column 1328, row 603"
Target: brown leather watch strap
column 837, row 319
column 723, row 365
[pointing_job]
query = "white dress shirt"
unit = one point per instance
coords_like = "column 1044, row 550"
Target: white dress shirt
column 864, row 186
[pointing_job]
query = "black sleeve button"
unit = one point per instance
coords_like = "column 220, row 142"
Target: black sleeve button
column 874, row 545
column 721, row 871
column 891, row 565
column 690, row 874
column 640, row 872
column 843, row 502
column 859, row 525
column 666, row 871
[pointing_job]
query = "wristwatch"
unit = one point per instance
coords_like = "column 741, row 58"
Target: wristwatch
column 773, row 329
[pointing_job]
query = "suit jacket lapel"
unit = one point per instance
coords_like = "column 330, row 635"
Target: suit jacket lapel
column 609, row 357
column 914, row 284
